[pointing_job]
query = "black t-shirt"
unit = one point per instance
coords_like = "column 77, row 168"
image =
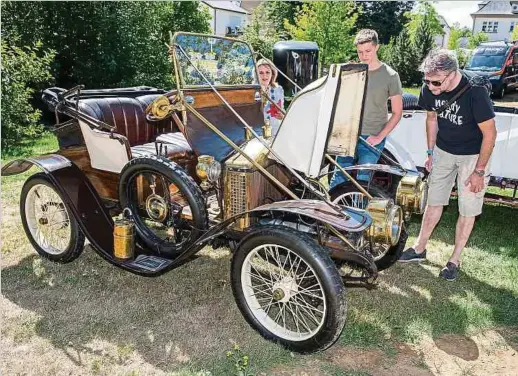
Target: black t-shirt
column 458, row 125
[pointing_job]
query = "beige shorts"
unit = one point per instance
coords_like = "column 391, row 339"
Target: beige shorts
column 445, row 169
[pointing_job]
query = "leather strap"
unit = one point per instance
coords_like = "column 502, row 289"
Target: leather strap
column 452, row 100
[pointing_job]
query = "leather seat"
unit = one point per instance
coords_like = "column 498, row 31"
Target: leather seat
column 128, row 117
column 171, row 144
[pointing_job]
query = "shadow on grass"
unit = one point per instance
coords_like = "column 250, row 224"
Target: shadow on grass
column 412, row 301
column 494, row 231
column 187, row 317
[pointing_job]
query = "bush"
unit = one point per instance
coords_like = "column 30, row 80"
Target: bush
column 24, row 70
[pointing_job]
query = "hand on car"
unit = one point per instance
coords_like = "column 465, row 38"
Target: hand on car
column 428, row 163
column 374, row 140
column 476, row 182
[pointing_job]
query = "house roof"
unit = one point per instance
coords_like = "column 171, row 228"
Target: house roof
column 226, row 5
column 491, row 8
column 443, row 22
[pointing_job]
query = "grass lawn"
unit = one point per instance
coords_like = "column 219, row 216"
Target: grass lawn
column 412, row 90
column 89, row 317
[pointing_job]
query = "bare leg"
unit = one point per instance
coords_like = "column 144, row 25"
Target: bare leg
column 431, row 217
column 462, row 233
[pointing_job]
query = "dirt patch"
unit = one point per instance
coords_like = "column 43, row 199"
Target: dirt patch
column 495, row 355
column 349, row 358
column 457, row 345
column 406, row 361
column 313, row 368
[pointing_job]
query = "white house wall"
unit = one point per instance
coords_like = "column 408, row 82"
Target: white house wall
column 225, row 18
column 504, row 26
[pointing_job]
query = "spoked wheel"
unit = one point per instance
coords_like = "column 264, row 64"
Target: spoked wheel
column 288, row 288
column 47, row 221
column 167, row 205
column 348, row 195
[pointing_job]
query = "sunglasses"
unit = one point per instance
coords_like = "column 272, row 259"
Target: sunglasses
column 434, row 83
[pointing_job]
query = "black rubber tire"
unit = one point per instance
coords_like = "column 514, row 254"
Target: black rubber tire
column 314, row 255
column 395, row 251
column 187, row 187
column 77, row 238
column 501, row 92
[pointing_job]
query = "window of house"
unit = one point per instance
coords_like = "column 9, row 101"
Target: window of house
column 511, row 28
column 490, row 26
column 484, row 26
column 495, row 27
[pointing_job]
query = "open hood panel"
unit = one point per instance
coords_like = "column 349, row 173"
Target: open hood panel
column 325, row 117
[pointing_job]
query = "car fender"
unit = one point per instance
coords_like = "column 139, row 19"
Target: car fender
column 79, row 195
column 401, row 155
column 352, row 220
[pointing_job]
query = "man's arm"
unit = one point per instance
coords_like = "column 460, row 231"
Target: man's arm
column 488, row 130
column 396, row 106
column 432, row 126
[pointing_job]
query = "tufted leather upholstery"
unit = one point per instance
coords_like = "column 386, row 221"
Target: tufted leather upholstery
column 128, row 117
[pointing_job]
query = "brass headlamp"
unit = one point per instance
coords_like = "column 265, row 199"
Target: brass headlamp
column 387, row 219
column 412, row 194
column 208, row 170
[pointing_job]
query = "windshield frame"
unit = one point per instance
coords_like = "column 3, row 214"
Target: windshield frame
column 180, row 83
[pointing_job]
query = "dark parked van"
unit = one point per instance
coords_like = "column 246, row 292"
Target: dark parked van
column 499, row 61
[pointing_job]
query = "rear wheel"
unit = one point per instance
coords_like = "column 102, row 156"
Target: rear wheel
column 349, row 195
column 288, row 288
column 501, row 91
column 166, row 204
column 51, row 228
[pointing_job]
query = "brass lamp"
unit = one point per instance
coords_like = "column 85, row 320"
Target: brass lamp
column 412, row 194
column 386, row 224
column 208, row 170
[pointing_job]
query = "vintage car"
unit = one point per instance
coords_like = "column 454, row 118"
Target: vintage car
column 198, row 166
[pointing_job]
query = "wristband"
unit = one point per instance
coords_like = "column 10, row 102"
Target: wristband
column 429, row 152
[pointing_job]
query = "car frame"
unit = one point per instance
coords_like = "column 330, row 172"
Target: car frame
column 198, row 166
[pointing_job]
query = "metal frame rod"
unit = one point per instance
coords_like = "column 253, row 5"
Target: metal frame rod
column 357, row 185
column 262, row 141
column 238, row 149
column 279, row 71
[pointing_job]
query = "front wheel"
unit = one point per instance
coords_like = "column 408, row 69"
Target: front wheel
column 51, row 228
column 349, row 195
column 288, row 289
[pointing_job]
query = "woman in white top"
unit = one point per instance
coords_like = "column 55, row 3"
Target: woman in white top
column 268, row 82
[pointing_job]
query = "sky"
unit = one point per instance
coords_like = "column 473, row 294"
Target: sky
column 457, row 11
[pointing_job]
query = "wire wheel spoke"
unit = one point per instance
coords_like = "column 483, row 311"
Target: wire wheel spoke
column 47, row 219
column 283, row 292
column 356, row 200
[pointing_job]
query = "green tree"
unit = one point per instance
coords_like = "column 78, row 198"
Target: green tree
column 388, row 18
column 424, row 14
column 404, row 58
column 514, row 34
column 476, row 39
column 454, row 39
column 24, row 70
column 104, row 44
column 330, row 24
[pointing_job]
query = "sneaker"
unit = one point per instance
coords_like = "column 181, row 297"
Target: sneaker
column 450, row 271
column 410, row 255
